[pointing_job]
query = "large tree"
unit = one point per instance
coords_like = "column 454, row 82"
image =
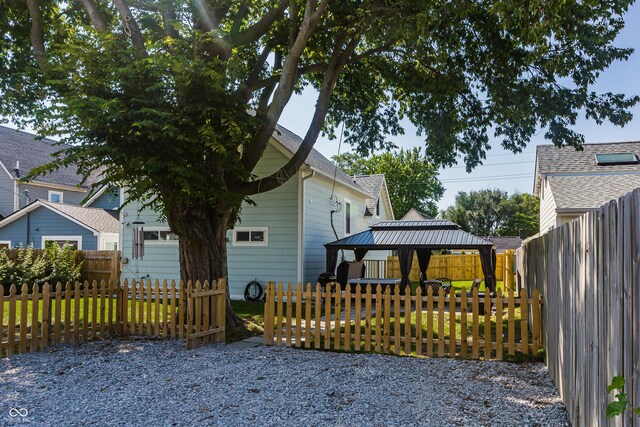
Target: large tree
column 412, row 179
column 495, row 213
column 179, row 99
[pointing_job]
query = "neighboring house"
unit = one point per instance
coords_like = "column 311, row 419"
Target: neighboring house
column 415, row 215
column 281, row 238
column 570, row 182
column 42, row 221
column 20, row 152
column 504, row 243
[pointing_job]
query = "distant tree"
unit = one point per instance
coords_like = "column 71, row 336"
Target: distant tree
column 494, row 213
column 411, row 178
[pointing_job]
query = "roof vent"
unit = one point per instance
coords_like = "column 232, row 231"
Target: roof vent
column 616, row 159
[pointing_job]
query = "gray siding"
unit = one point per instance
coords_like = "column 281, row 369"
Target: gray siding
column 42, row 193
column 547, row 208
column 108, row 200
column 44, row 222
column 6, row 193
column 277, row 210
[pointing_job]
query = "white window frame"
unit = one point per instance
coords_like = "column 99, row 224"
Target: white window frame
column 77, row 239
column 348, row 202
column 57, row 193
column 6, row 242
column 265, row 242
column 159, row 242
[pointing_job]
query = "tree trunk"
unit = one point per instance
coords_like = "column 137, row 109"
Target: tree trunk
column 203, row 247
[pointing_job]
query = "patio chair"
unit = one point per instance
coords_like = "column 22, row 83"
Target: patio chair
column 348, row 270
column 435, row 285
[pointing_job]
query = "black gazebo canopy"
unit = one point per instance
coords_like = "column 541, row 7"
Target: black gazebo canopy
column 419, row 236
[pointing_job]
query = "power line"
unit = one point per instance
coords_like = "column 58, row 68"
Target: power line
column 471, row 179
column 494, row 164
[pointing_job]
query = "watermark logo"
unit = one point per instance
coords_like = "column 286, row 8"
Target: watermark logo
column 18, row 412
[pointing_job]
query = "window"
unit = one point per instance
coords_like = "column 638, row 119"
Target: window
column 616, row 159
column 74, row 241
column 56, row 196
column 159, row 235
column 251, row 236
column 347, row 217
column 5, row 244
column 378, row 207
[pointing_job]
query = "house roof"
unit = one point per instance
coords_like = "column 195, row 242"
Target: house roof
column 415, row 213
column 372, row 184
column 31, row 152
column 434, row 234
column 590, row 191
column 566, row 160
column 96, row 220
column 291, row 142
column 504, row 243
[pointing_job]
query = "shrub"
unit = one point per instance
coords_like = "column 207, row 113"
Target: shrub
column 54, row 264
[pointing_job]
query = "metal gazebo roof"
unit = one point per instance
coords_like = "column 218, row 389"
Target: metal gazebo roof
column 429, row 234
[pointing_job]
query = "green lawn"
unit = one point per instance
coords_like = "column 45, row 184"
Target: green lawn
column 252, row 314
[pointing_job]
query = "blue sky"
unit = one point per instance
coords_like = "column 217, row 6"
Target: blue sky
column 505, row 170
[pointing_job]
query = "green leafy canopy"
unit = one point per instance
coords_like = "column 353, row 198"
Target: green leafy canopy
column 411, row 179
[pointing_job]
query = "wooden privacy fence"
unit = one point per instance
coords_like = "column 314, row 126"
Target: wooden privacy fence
column 96, row 265
column 589, row 273
column 384, row 322
column 75, row 313
column 457, row 267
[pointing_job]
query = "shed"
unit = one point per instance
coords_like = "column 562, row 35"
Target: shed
column 419, row 236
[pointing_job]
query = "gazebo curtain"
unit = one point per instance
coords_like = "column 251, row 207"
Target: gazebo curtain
column 424, row 256
column 360, row 253
column 488, row 261
column 405, row 259
column 332, row 259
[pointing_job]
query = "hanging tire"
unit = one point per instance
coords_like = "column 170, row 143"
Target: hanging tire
column 254, row 291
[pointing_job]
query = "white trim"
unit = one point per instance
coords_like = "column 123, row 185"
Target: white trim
column 388, row 204
column 95, row 196
column 350, row 218
column 7, row 170
column 159, row 242
column 105, row 238
column 77, row 239
column 234, row 242
column 35, row 205
column 52, row 193
column 56, row 186
column 16, row 195
column 6, row 242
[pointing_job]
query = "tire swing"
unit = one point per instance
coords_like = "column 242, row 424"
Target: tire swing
column 254, row 291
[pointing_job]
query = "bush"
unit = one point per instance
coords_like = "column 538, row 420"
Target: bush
column 54, row 264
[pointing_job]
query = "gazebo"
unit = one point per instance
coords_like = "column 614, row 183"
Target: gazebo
column 420, row 237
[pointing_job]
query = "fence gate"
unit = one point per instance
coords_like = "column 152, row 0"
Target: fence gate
column 206, row 312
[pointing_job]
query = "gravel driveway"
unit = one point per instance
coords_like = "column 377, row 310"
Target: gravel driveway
column 161, row 383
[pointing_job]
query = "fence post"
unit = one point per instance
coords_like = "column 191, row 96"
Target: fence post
column 119, row 308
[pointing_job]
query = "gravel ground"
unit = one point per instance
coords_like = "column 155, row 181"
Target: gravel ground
column 161, row 383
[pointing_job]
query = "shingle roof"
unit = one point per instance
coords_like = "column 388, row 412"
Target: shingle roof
column 97, row 219
column 416, row 234
column 372, row 184
column 504, row 243
column 31, row 152
column 551, row 159
column 415, row 212
column 590, row 191
column 291, row 142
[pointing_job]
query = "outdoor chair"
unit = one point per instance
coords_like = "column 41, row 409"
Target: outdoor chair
column 348, row 270
column 435, row 285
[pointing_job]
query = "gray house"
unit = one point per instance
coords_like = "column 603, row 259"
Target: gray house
column 19, row 153
column 570, row 182
column 41, row 222
column 281, row 238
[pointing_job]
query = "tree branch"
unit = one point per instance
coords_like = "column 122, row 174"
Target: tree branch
column 37, row 34
column 336, row 64
column 286, row 84
column 94, row 15
column 168, row 18
column 131, row 27
column 258, row 29
column 263, row 103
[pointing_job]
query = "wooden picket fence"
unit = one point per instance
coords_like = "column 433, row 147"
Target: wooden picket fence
column 385, row 322
column 76, row 313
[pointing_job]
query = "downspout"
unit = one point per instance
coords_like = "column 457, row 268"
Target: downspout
column 29, row 227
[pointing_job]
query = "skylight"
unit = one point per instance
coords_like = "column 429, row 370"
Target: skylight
column 616, row 159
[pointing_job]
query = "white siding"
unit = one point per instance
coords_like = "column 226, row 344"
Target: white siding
column 547, row 208
column 317, row 223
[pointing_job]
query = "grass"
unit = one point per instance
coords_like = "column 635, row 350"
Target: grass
column 252, row 316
